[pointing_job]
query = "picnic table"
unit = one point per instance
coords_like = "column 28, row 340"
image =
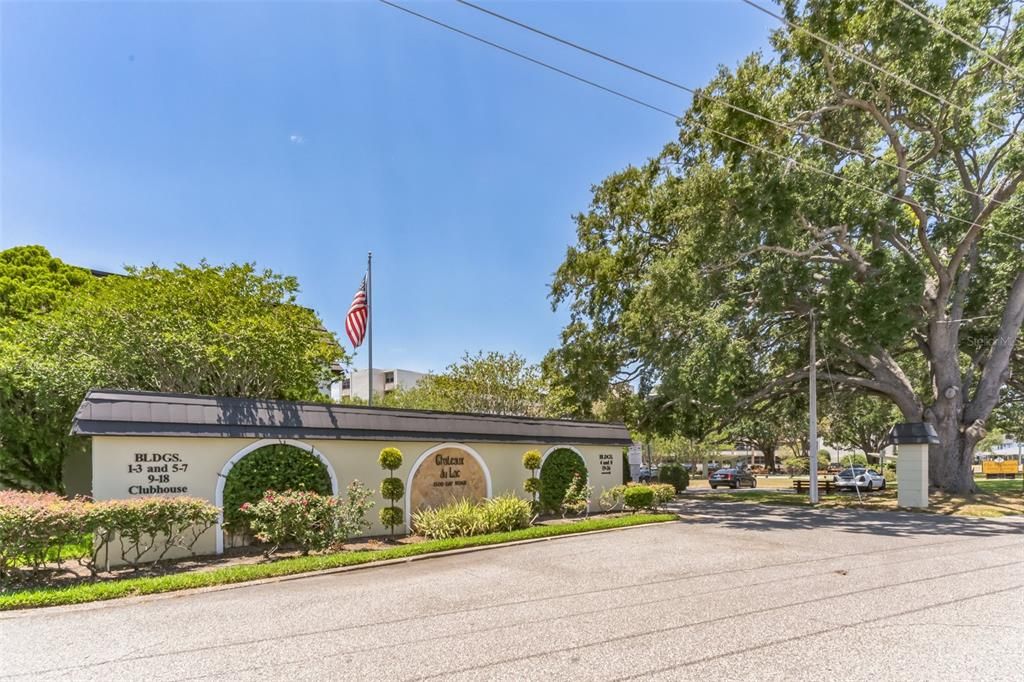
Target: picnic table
column 826, row 484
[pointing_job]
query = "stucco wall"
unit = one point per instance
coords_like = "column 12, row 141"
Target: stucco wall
column 122, row 466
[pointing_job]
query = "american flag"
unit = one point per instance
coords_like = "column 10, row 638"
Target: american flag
column 355, row 321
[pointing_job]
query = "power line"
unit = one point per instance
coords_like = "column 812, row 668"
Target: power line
column 674, row 117
column 939, row 25
column 730, row 105
column 852, row 55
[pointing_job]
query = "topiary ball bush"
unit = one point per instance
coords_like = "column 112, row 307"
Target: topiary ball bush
column 273, row 467
column 390, row 458
column 556, row 475
column 638, row 497
column 391, row 516
column 531, row 460
column 531, row 485
column 392, row 489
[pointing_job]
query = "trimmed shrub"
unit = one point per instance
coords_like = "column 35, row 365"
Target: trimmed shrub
column 274, row 467
column 637, row 497
column 577, row 496
column 531, row 461
column 391, row 517
column 391, row 488
column 149, row 526
column 675, row 474
column 663, row 493
column 312, row 522
column 39, row 527
column 556, row 476
column 390, row 459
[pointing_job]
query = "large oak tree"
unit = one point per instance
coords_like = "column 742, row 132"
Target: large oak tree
column 886, row 205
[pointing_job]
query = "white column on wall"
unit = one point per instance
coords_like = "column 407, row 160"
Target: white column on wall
column 222, row 477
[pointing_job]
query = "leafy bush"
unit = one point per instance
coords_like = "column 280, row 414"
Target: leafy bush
column 274, row 467
column 638, row 497
column 663, row 493
column 311, row 521
column 556, row 476
column 391, row 488
column 463, row 518
column 577, row 496
column 676, row 474
column 149, row 526
column 506, row 513
column 611, row 498
column 38, row 527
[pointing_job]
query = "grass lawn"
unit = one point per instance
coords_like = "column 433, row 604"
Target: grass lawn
column 995, row 498
column 127, row 587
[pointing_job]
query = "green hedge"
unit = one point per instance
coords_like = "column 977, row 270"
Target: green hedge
column 556, row 475
column 274, row 467
column 676, row 474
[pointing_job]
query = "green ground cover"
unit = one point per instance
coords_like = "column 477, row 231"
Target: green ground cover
column 127, row 587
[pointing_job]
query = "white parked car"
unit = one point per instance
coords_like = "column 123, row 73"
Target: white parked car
column 860, row 478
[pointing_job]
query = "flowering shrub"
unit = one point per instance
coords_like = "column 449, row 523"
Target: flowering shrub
column 463, row 517
column 577, row 496
column 312, row 521
column 37, row 527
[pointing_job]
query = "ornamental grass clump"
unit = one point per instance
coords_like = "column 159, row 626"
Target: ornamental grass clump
column 463, row 517
column 663, row 493
column 391, row 488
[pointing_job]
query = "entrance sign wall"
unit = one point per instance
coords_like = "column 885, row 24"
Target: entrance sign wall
column 159, row 444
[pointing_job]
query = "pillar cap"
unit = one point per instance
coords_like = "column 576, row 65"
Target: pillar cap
column 913, row 433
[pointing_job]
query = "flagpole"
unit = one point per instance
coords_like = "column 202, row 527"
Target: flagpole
column 369, row 322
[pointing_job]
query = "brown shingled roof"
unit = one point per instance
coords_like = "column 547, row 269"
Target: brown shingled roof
column 133, row 413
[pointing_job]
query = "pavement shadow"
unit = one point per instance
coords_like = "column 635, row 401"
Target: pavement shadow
column 745, row 516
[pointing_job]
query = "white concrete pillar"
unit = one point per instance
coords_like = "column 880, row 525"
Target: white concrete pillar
column 911, row 441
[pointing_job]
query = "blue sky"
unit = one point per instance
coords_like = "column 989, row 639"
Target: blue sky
column 302, row 135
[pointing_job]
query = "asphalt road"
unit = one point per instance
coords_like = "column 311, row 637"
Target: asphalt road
column 741, row 592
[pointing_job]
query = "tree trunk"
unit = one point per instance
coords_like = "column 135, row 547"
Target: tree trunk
column 951, row 461
column 769, row 458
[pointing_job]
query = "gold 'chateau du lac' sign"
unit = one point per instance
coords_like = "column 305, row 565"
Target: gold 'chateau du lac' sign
column 447, row 475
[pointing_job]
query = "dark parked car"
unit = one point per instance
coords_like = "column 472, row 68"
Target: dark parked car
column 734, row 478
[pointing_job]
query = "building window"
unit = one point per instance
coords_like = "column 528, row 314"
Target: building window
column 346, row 384
column 389, row 377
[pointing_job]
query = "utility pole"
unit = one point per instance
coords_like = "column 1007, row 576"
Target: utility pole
column 813, row 436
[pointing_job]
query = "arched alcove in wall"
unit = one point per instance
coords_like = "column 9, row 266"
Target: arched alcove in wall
column 557, row 467
column 443, row 473
column 222, row 477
